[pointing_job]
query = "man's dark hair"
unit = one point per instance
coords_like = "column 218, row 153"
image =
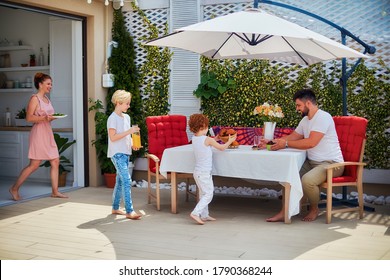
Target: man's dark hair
column 304, row 95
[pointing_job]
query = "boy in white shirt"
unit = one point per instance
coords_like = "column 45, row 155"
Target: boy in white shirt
column 202, row 144
column 119, row 150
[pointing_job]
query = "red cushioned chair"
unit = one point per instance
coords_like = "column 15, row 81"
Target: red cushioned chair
column 351, row 132
column 164, row 132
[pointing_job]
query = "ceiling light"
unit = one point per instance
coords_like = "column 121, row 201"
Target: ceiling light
column 117, row 4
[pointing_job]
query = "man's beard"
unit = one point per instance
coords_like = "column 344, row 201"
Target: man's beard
column 305, row 112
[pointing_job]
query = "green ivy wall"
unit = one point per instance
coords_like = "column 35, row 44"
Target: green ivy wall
column 230, row 90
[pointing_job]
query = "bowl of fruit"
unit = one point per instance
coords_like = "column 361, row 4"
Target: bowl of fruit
column 224, row 134
column 224, row 137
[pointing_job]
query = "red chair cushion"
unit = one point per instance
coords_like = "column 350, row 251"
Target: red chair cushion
column 165, row 132
column 351, row 131
column 343, row 179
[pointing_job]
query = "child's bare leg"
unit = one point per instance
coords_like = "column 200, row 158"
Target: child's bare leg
column 133, row 216
column 118, row 212
column 209, row 218
column 197, row 219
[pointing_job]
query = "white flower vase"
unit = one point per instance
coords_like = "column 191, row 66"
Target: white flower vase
column 269, row 130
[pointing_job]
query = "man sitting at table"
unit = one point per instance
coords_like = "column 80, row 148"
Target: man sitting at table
column 315, row 133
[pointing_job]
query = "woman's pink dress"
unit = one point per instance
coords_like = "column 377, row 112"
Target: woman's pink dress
column 42, row 145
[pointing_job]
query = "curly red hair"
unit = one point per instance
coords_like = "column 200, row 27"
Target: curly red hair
column 198, row 122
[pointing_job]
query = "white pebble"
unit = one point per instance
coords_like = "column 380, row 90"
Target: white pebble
column 380, row 200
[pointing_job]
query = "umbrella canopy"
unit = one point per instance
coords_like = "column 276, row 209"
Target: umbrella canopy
column 255, row 34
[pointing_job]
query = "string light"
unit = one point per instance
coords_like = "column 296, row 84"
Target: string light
column 107, row 2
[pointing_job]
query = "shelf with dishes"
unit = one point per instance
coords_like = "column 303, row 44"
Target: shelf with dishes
column 27, row 68
column 15, row 90
column 15, row 48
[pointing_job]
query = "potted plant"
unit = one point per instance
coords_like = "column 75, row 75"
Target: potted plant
column 20, row 118
column 63, row 144
column 101, row 142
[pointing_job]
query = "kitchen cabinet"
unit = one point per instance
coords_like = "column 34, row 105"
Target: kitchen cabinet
column 14, row 155
column 10, row 153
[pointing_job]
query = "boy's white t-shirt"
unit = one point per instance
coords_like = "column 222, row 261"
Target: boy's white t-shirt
column 328, row 149
column 120, row 124
column 203, row 154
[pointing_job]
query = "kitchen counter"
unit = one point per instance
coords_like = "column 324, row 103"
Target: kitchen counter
column 28, row 128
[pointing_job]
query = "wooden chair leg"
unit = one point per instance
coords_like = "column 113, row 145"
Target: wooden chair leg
column 158, row 192
column 149, row 188
column 329, row 202
column 361, row 202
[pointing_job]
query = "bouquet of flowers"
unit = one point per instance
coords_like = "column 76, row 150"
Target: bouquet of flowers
column 269, row 112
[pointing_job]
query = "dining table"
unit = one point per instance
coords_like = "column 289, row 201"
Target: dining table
column 243, row 162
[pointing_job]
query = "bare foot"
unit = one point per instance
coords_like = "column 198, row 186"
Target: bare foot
column 133, row 216
column 59, row 195
column 118, row 212
column 197, row 219
column 14, row 194
column 209, row 218
column 312, row 215
column 277, row 218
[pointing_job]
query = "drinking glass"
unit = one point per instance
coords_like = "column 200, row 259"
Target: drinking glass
column 257, row 140
column 136, row 137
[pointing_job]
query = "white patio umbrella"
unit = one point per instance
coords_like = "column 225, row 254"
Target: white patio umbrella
column 255, row 34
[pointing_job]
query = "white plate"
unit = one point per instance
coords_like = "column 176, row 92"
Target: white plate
column 233, row 147
column 60, row 117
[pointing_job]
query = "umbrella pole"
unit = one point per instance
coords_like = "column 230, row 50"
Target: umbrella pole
column 344, row 78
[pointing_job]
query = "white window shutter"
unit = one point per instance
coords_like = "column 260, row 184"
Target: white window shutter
column 185, row 65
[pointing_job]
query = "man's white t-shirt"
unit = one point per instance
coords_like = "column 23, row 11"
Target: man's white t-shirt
column 328, row 149
column 120, row 124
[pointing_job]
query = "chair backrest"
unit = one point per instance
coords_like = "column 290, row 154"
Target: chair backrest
column 351, row 131
column 165, row 132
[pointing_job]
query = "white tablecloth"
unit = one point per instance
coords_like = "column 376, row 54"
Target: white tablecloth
column 282, row 166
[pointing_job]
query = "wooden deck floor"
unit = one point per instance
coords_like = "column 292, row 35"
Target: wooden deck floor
column 82, row 228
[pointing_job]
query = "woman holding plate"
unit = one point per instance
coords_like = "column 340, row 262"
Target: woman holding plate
column 42, row 145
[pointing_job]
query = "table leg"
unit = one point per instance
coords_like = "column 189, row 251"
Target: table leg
column 173, row 193
column 286, row 201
